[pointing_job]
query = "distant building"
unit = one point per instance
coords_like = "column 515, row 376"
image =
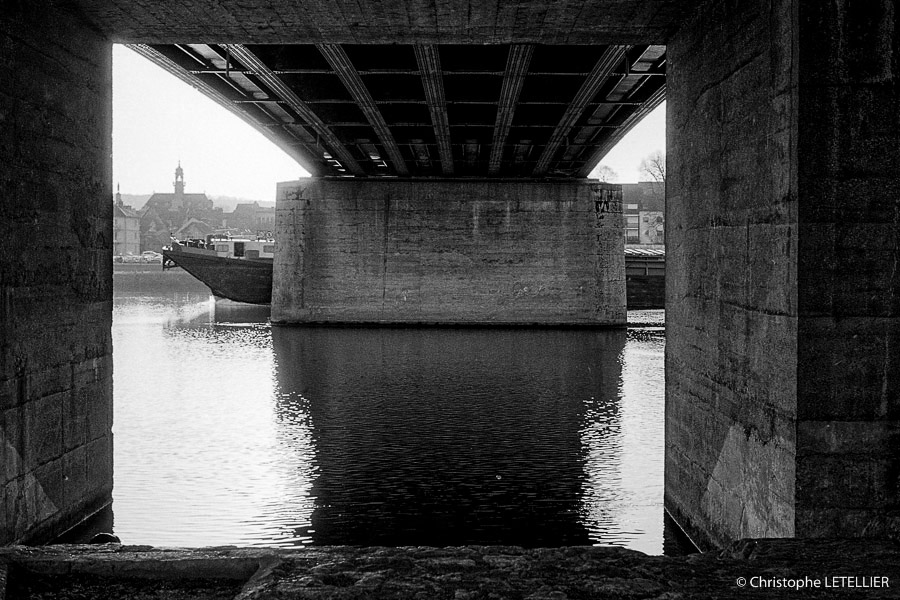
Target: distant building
column 126, row 228
column 193, row 229
column 644, row 208
column 155, row 231
column 653, row 230
column 179, row 201
column 250, row 216
column 177, row 214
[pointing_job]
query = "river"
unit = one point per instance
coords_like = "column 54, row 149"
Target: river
column 228, row 430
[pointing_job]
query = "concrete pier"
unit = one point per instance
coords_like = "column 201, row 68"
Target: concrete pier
column 55, row 272
column 449, row 252
column 783, row 411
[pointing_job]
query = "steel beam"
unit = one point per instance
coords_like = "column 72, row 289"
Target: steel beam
column 433, row 81
column 516, row 68
column 302, row 154
column 283, row 92
column 610, row 59
column 615, row 137
column 344, row 69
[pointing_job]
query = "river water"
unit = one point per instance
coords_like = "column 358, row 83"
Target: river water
column 231, row 431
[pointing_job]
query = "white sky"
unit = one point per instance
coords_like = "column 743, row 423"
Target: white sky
column 647, row 136
column 158, row 120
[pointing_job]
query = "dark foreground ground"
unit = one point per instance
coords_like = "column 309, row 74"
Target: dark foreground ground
column 750, row 569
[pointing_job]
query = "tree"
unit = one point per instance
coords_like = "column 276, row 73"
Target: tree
column 654, row 167
column 605, row 174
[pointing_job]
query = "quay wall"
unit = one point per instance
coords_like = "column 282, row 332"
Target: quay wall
column 55, row 271
column 449, row 252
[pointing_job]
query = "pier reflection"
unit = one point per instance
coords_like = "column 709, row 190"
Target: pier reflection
column 230, row 431
column 455, row 436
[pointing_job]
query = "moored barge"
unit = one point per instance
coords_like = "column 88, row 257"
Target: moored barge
column 234, row 268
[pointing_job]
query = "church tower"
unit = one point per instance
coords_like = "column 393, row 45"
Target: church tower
column 178, row 200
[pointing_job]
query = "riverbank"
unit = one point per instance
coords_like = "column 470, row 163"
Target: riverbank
column 749, row 569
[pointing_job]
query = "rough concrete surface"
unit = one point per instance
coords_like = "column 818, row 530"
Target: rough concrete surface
column 473, row 252
column 782, row 411
column 445, row 21
column 55, row 273
column 731, row 248
column 848, row 292
column 843, row 569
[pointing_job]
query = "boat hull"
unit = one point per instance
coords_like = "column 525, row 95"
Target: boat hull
column 238, row 279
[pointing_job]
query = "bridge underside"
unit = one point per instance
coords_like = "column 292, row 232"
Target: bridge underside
column 782, row 400
column 426, row 110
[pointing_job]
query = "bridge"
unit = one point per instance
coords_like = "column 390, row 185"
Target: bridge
column 783, row 407
column 430, row 110
column 487, row 115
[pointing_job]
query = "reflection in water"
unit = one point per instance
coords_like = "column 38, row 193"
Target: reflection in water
column 449, row 437
column 232, row 432
column 198, row 458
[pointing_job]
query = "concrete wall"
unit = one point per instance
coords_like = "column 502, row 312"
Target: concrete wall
column 55, row 272
column 848, row 397
column 449, row 252
column 731, row 275
column 783, row 368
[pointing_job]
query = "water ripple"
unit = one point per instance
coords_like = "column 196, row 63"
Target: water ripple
column 229, row 431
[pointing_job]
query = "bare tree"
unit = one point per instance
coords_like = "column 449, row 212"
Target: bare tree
column 654, row 167
column 605, row 174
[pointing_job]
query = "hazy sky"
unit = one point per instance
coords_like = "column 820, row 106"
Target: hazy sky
column 158, row 120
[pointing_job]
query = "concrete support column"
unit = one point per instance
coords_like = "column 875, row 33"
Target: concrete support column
column 848, row 282
column 449, row 252
column 55, row 271
column 782, row 229
column 731, row 229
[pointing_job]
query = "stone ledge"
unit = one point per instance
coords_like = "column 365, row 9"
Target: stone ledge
column 843, row 568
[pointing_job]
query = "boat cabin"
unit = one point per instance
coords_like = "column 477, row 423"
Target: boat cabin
column 234, row 247
column 224, row 246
